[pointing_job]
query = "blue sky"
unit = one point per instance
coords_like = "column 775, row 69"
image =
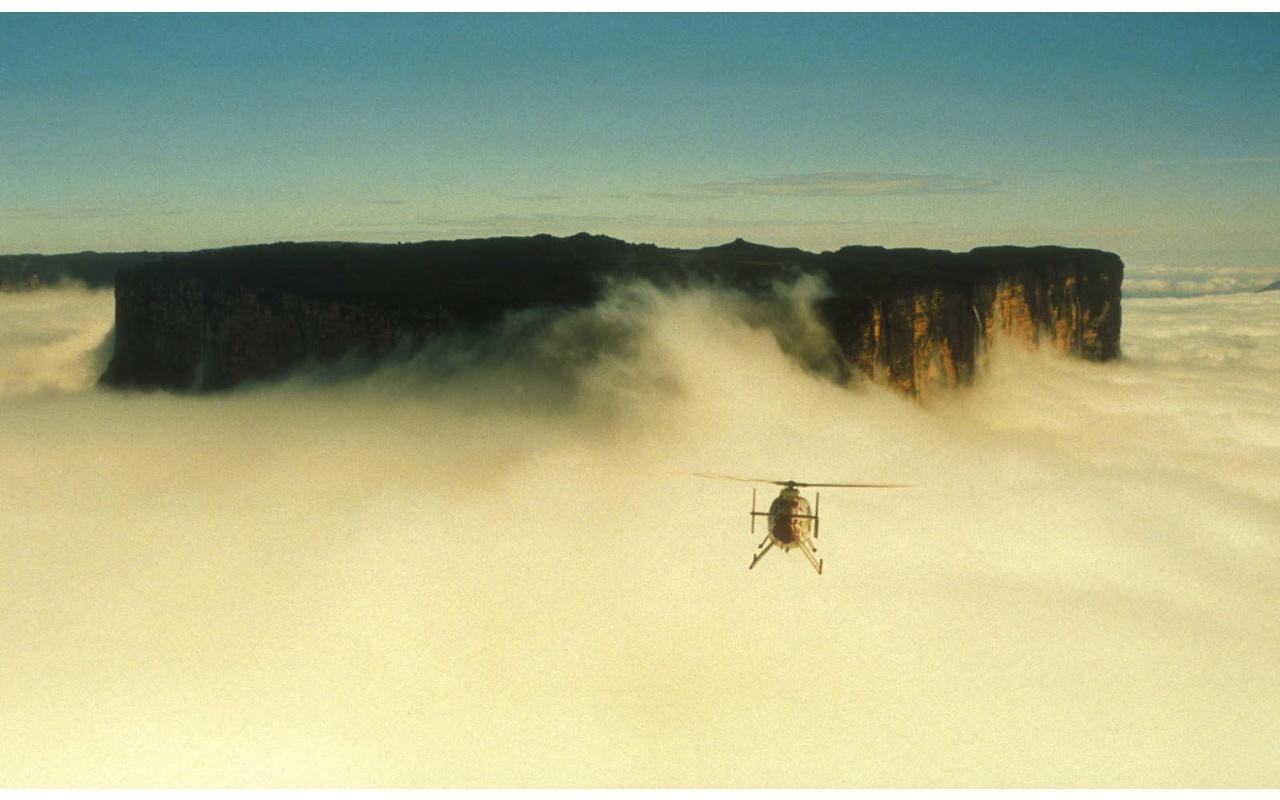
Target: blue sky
column 1157, row 136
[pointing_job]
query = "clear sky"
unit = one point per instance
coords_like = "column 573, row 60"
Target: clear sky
column 1156, row 136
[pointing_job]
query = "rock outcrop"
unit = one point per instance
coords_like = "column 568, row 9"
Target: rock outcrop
column 909, row 318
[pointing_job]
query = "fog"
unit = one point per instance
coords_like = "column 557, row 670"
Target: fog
column 482, row 565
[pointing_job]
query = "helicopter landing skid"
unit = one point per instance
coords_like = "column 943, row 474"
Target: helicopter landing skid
column 760, row 555
column 767, row 544
column 816, row 562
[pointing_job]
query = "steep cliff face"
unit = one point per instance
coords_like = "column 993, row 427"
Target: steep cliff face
column 913, row 319
column 937, row 332
column 197, row 333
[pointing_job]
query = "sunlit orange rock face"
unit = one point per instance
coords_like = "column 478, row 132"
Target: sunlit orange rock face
column 921, row 337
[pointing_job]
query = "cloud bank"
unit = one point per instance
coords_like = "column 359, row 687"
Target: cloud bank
column 1172, row 281
column 474, row 567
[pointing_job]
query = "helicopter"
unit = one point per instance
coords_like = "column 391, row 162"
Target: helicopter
column 790, row 525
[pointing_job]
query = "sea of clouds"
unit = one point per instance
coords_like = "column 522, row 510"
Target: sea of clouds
column 483, row 565
column 1191, row 281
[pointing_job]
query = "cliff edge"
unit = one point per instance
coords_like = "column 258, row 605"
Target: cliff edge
column 910, row 318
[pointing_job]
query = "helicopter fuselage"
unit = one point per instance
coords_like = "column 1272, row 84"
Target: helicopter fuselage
column 789, row 519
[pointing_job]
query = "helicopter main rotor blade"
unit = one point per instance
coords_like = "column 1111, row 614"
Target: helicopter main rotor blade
column 736, row 478
column 856, row 485
column 798, row 483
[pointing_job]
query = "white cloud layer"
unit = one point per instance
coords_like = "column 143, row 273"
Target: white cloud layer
column 1171, row 281
column 499, row 577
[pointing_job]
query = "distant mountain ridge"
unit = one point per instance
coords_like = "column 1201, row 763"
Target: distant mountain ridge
column 909, row 318
column 95, row 270
column 27, row 271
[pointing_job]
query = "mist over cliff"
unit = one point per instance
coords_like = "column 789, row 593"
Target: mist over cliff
column 480, row 564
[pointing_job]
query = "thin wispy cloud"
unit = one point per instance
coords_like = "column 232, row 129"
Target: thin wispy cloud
column 1246, row 160
column 617, row 225
column 847, row 184
column 1213, row 161
column 64, row 212
column 71, row 213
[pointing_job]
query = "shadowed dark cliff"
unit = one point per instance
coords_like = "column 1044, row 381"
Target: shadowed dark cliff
column 910, row 318
column 95, row 270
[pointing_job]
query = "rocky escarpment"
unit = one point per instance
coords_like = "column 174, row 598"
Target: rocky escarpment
column 94, row 270
column 923, row 319
column 909, row 318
